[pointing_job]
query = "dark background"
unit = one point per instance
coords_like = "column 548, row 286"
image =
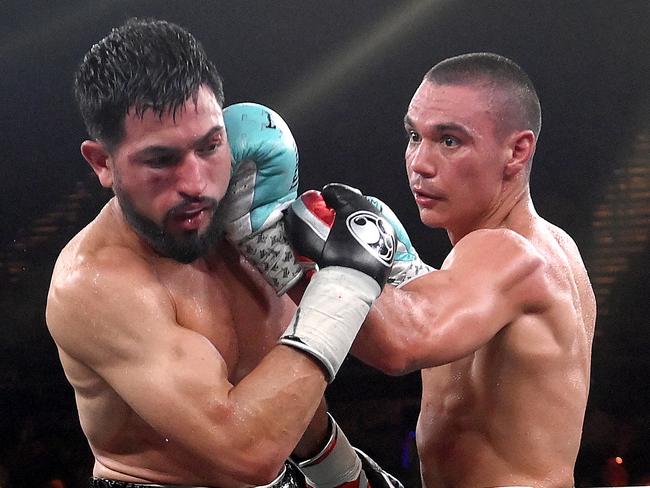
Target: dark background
column 342, row 73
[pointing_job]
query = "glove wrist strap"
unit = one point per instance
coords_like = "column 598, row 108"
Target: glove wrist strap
column 404, row 271
column 270, row 252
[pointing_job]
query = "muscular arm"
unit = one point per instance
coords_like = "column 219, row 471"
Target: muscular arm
column 489, row 278
column 115, row 317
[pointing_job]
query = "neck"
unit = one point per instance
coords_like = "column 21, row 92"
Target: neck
column 513, row 209
column 123, row 232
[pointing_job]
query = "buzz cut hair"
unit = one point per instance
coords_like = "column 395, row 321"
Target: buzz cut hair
column 520, row 108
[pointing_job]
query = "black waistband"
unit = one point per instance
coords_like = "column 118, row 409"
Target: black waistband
column 105, row 483
column 291, row 477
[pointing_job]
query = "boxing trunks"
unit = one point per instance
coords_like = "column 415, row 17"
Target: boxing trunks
column 290, row 477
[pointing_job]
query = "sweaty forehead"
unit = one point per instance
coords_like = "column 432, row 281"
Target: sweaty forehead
column 469, row 105
column 193, row 117
column 204, row 104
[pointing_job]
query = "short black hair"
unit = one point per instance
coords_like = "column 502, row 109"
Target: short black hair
column 145, row 64
column 522, row 110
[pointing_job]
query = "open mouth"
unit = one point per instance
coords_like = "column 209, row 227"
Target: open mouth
column 192, row 218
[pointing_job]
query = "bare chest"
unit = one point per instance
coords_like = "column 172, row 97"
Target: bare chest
column 231, row 306
column 469, row 394
column 504, row 409
column 469, row 397
column 448, row 390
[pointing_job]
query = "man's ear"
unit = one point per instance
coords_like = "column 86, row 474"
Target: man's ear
column 522, row 148
column 99, row 160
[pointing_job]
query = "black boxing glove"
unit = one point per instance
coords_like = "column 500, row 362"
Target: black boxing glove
column 355, row 255
column 359, row 238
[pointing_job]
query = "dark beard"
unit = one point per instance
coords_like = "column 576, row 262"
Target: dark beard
column 183, row 248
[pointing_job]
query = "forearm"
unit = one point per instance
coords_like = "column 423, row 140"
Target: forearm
column 425, row 324
column 265, row 415
column 283, row 392
column 315, row 436
column 277, row 401
column 391, row 337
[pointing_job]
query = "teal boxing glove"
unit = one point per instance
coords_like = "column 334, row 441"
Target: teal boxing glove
column 264, row 182
column 407, row 264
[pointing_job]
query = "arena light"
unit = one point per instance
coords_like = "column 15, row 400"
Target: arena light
column 330, row 74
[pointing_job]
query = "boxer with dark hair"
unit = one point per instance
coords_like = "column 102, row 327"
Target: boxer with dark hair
column 189, row 366
column 503, row 331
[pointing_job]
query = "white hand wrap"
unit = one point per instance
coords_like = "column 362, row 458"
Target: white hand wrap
column 330, row 314
column 337, row 463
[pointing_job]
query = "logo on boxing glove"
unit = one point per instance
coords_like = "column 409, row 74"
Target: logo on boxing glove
column 370, row 231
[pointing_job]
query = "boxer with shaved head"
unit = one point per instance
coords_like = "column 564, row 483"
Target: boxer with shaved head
column 503, row 331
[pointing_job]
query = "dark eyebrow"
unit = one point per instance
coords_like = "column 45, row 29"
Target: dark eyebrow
column 450, row 126
column 443, row 127
column 152, row 152
column 208, row 135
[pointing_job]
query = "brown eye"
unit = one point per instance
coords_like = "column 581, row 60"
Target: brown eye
column 449, row 141
column 163, row 161
column 413, row 136
column 210, row 148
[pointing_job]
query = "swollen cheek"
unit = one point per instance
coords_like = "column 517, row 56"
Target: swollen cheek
column 156, row 181
column 219, row 170
column 221, row 181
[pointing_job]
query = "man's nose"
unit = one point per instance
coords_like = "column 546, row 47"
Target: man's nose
column 191, row 176
column 421, row 160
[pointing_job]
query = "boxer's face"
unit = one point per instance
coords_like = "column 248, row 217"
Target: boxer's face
column 170, row 173
column 454, row 159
